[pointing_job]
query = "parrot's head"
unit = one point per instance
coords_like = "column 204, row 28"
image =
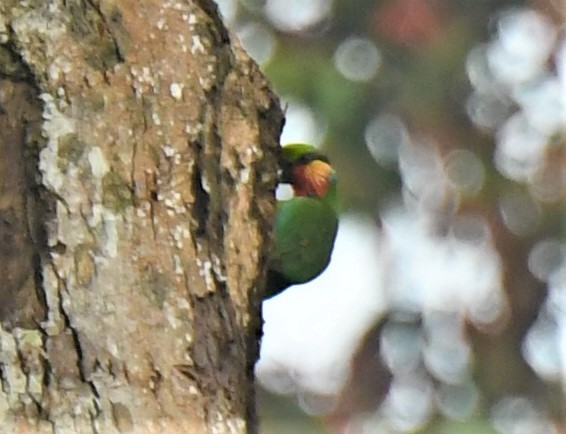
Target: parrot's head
column 308, row 171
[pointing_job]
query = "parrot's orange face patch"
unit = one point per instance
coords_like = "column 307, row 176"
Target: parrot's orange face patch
column 312, row 179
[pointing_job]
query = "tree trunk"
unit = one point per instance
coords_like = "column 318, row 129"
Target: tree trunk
column 138, row 149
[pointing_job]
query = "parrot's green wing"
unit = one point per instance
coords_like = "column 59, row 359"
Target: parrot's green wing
column 305, row 230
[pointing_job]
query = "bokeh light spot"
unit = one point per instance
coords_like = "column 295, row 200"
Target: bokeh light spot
column 465, row 171
column 517, row 414
column 284, row 192
column 542, row 105
column 258, row 41
column 520, row 148
column 524, row 43
column 401, row 347
column 297, row 15
column 489, row 310
column 560, row 61
column 275, row 377
column 521, row 214
column 457, row 401
column 302, row 124
column 446, row 354
column 357, row 59
column 545, row 257
column 541, row 348
column 487, row 110
column 471, row 229
column 228, row 10
column 316, row 404
column 479, row 72
column 384, row 135
column 548, row 185
column 422, row 174
column 556, row 302
column 408, row 405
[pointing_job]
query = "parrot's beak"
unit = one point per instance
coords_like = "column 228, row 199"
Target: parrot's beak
column 286, row 172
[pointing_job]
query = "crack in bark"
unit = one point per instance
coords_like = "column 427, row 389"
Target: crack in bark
column 13, row 66
column 201, row 205
column 21, row 208
column 210, row 8
column 111, row 28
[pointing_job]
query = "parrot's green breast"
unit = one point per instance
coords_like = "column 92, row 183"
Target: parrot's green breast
column 305, row 230
column 305, row 227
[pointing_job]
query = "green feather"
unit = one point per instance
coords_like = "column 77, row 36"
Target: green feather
column 291, row 153
column 305, row 230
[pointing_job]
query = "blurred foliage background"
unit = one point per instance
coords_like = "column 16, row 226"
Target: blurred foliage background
column 446, row 121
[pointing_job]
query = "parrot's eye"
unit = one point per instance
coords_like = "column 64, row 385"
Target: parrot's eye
column 309, row 158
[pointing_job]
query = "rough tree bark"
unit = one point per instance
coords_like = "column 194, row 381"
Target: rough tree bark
column 138, row 151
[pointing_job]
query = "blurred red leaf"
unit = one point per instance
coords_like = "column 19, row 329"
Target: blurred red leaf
column 412, row 23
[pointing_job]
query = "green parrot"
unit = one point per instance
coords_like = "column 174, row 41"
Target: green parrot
column 306, row 225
